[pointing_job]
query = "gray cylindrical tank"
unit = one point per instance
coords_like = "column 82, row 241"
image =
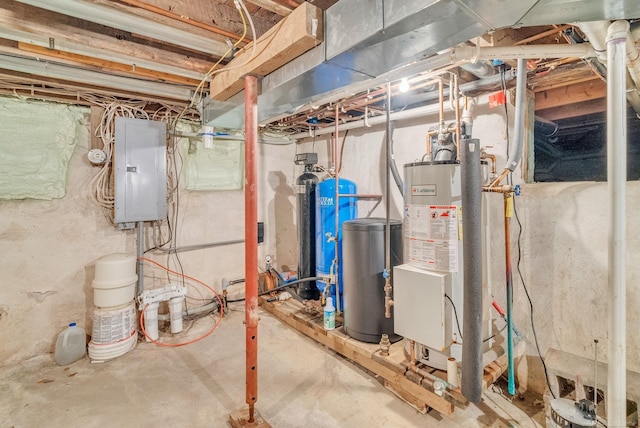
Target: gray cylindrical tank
column 363, row 263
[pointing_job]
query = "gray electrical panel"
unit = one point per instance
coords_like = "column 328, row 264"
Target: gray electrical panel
column 140, row 167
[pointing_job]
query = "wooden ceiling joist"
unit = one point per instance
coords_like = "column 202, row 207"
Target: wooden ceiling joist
column 185, row 19
column 585, row 91
column 104, row 65
column 291, row 37
column 28, row 24
column 273, row 6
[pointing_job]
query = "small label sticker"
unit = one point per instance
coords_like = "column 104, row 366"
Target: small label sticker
column 424, row 190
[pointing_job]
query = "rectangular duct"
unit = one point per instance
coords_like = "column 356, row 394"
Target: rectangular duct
column 369, row 40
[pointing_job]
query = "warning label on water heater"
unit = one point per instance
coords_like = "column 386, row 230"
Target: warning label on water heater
column 432, row 231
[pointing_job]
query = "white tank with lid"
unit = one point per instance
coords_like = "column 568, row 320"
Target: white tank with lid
column 115, row 280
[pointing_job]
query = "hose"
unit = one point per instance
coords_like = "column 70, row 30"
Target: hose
column 283, row 286
column 392, row 162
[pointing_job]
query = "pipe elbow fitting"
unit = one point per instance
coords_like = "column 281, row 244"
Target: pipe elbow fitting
column 617, row 30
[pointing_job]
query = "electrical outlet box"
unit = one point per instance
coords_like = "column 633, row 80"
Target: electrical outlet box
column 140, row 170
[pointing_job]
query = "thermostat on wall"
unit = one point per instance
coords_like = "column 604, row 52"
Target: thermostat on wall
column 97, row 156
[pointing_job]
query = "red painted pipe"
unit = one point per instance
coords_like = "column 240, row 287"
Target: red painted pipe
column 251, row 238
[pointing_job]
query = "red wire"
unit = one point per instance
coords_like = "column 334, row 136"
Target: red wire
column 175, row 345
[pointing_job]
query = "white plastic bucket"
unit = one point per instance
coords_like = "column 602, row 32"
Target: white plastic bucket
column 114, row 332
column 114, row 283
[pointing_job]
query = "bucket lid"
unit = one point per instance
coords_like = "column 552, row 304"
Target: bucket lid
column 370, row 224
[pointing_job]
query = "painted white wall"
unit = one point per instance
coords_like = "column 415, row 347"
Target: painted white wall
column 49, row 248
column 564, row 239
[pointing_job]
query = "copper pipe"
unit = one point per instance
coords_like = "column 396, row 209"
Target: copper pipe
column 498, row 189
column 337, row 211
column 429, row 135
column 492, row 158
column 251, row 239
column 181, row 18
column 508, row 213
column 542, row 35
column 500, row 177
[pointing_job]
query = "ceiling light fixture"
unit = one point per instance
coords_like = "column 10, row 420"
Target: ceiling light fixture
column 404, row 85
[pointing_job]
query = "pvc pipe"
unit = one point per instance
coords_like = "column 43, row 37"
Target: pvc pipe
column 140, row 254
column 616, row 180
column 596, row 32
column 452, row 372
column 251, row 240
column 518, row 125
column 471, row 174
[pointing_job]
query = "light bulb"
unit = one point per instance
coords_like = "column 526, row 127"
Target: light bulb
column 404, row 85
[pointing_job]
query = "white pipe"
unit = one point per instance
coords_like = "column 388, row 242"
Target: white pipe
column 376, row 120
column 616, row 179
column 468, row 53
column 596, row 32
column 518, row 124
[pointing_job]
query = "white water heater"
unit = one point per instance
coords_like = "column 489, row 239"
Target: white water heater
column 428, row 287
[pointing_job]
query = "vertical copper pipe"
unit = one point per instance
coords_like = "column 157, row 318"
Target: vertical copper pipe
column 251, row 238
column 508, row 213
column 336, row 260
column 455, row 91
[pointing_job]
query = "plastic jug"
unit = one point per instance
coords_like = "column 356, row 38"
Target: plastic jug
column 71, row 345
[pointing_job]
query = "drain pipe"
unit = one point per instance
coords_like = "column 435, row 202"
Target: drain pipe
column 596, row 32
column 616, row 181
column 472, row 367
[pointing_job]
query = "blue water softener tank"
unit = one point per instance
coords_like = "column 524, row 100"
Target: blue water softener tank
column 326, row 226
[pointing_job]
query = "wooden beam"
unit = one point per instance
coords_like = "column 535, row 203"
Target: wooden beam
column 291, row 37
column 580, row 92
column 104, row 65
column 273, row 6
column 561, row 83
column 78, row 89
column 572, row 110
column 30, row 24
column 185, row 19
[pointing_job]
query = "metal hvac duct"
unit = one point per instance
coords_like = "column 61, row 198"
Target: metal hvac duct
column 367, row 40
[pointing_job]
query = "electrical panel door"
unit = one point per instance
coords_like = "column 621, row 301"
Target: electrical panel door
column 140, row 167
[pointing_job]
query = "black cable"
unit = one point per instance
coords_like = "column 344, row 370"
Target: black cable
column 533, row 327
column 279, row 288
column 455, row 312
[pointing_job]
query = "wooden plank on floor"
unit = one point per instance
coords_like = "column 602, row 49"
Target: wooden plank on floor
column 360, row 353
column 288, row 39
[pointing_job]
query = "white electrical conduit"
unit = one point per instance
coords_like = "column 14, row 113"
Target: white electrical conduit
column 518, row 122
column 617, row 37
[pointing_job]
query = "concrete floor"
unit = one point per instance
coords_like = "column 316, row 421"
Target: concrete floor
column 302, row 384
